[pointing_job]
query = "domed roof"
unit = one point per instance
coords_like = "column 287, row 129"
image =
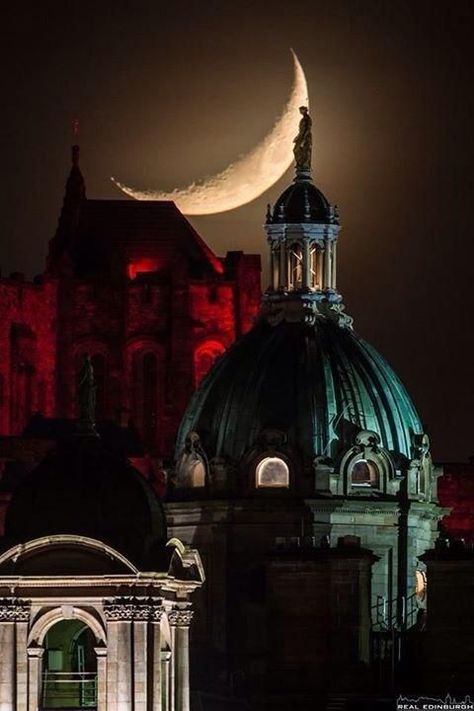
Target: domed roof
column 302, row 202
column 317, row 384
column 83, row 488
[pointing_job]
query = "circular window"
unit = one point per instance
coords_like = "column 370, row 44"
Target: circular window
column 365, row 474
column 272, row 472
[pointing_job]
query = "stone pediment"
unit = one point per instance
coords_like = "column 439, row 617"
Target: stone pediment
column 63, row 555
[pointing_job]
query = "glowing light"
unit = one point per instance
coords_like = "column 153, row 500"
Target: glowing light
column 272, row 472
column 420, row 585
column 248, row 177
column 205, row 357
column 142, row 265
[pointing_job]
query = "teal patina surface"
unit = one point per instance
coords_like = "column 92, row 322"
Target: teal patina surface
column 318, row 384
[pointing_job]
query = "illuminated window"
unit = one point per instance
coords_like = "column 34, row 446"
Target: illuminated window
column 143, row 265
column 272, row 472
column 314, row 268
column 196, row 475
column 365, row 474
column 420, row 585
column 296, row 266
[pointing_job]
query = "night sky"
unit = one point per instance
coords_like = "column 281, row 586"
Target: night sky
column 168, row 93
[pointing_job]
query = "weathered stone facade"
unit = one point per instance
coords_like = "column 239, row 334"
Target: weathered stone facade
column 141, row 636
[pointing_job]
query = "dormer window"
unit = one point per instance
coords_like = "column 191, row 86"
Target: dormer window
column 365, row 474
column 272, row 473
column 196, row 474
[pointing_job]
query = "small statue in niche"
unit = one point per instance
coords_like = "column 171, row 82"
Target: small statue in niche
column 192, row 464
column 86, row 390
column 303, row 141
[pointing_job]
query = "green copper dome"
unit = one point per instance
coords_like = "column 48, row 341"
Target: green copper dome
column 318, row 385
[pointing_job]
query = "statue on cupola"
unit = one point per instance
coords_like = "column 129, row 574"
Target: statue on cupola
column 303, row 141
column 302, row 231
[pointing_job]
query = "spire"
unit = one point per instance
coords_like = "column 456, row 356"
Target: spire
column 74, row 196
column 86, row 398
column 75, row 186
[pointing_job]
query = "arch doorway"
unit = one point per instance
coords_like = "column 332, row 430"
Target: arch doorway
column 69, row 678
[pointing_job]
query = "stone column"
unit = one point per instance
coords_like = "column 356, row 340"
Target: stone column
column 319, row 256
column 327, row 265
column 165, row 675
column 270, row 264
column 157, row 688
column 333, row 270
column 180, row 621
column 124, row 665
column 14, row 617
column 274, row 272
column 112, row 662
column 7, row 666
column 172, row 670
column 140, row 662
column 101, row 654
column 119, row 616
column 283, row 268
column 34, row 677
column 306, row 265
column 21, row 629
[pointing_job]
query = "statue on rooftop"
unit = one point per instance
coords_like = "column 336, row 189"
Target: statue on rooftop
column 303, row 141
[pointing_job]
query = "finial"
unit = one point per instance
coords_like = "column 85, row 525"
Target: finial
column 303, row 145
column 269, row 213
column 75, row 156
column 75, row 147
column 86, row 391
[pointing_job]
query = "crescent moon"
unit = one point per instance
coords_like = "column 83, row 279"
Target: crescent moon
column 251, row 175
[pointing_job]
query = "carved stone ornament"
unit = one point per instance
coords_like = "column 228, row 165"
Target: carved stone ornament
column 13, row 610
column 132, row 609
column 180, row 618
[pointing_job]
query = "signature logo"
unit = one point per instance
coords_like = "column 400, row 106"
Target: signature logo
column 425, row 703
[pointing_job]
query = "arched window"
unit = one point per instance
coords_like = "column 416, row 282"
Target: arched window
column 69, row 666
column 23, row 358
column 205, row 357
column 145, row 395
column 315, row 267
column 196, row 474
column 296, row 266
column 365, row 474
column 272, row 472
column 420, row 585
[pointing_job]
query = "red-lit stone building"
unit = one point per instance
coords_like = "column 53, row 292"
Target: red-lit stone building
column 133, row 285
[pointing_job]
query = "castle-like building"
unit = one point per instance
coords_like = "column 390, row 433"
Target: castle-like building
column 133, row 285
